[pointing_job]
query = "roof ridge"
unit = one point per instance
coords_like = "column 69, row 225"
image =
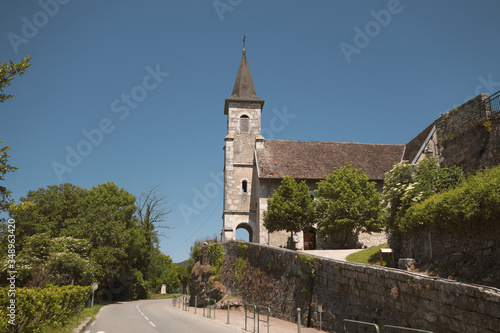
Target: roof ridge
column 338, row 142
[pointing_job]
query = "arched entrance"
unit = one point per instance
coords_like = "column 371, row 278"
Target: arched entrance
column 245, row 226
column 310, row 239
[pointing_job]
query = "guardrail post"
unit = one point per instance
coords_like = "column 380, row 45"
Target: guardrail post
column 298, row 319
column 227, row 312
column 195, row 303
column 254, row 310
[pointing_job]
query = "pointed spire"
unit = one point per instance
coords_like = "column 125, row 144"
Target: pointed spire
column 243, row 89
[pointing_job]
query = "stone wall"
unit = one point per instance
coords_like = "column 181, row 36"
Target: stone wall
column 286, row 280
column 472, row 256
column 469, row 136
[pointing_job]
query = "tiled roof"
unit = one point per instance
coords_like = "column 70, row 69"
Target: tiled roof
column 314, row 160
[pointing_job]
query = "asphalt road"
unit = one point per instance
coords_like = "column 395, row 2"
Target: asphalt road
column 152, row 316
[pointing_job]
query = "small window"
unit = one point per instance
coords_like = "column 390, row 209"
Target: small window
column 244, row 124
column 244, row 186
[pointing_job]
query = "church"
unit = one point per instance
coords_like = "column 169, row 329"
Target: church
column 254, row 166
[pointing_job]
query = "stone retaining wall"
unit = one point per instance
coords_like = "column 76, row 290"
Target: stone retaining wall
column 467, row 256
column 469, row 136
column 286, row 280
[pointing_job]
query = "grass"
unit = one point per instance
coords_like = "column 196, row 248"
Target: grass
column 369, row 256
column 160, row 296
column 75, row 320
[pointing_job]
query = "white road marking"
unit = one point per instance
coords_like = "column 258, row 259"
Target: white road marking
column 149, row 321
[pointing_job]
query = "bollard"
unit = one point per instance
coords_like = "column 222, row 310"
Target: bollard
column 195, row 303
column 227, row 312
column 298, row 319
column 214, row 307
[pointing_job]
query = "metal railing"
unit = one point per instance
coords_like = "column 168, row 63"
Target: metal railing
column 178, row 301
column 358, row 323
column 387, row 328
column 267, row 312
column 246, row 307
column 209, row 308
column 494, row 101
column 255, row 312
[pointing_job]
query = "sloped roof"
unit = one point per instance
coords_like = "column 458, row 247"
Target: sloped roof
column 314, row 159
column 243, row 89
column 414, row 145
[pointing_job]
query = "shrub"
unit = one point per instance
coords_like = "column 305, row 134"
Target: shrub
column 476, row 201
column 36, row 308
column 407, row 185
column 216, row 255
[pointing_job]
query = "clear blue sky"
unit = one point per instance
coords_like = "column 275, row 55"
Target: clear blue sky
column 353, row 71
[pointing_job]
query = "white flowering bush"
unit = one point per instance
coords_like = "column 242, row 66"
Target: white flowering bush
column 406, row 185
column 59, row 261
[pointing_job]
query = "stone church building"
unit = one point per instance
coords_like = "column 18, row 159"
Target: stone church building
column 254, row 166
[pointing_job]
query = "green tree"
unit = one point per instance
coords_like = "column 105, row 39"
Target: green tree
column 102, row 216
column 406, row 185
column 9, row 71
column 184, row 277
column 4, row 169
column 7, row 74
column 165, row 272
column 347, row 204
column 291, row 208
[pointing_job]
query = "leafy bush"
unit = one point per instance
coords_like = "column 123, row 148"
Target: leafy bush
column 36, row 308
column 216, row 255
column 476, row 201
column 406, row 185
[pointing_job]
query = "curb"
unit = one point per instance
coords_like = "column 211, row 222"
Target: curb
column 82, row 325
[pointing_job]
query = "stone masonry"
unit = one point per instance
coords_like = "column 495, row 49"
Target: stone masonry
column 285, row 280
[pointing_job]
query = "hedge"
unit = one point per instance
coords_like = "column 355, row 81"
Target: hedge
column 36, row 308
column 473, row 203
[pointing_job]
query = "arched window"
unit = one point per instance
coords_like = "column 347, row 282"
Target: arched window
column 244, row 124
column 244, row 186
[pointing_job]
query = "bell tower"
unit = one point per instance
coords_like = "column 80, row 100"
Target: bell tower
column 243, row 109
